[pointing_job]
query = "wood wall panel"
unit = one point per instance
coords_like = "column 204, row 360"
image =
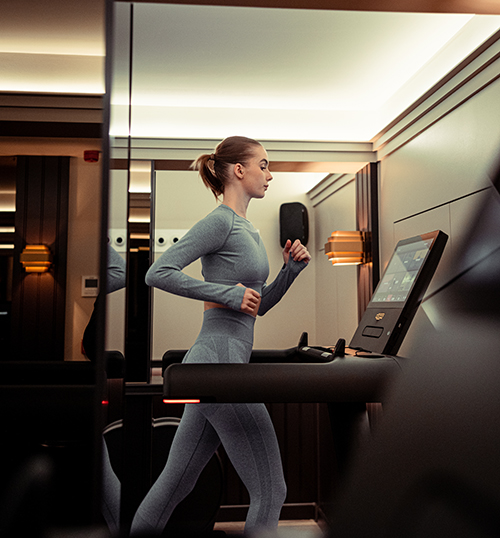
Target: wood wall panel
column 367, row 221
column 38, row 300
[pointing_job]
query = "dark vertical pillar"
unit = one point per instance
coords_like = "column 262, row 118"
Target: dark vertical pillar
column 368, row 278
column 136, row 456
column 38, row 299
column 367, row 221
column 137, row 338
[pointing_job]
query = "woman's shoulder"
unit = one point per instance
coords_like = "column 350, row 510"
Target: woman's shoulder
column 220, row 219
column 212, row 230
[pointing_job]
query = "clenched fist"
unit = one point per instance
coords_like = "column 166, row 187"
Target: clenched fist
column 251, row 301
column 298, row 251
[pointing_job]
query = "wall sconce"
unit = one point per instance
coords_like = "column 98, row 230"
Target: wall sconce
column 348, row 248
column 36, row 258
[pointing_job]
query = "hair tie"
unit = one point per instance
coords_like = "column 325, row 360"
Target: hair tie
column 212, row 157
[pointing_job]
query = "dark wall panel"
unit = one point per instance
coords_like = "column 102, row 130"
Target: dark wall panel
column 38, row 300
column 367, row 221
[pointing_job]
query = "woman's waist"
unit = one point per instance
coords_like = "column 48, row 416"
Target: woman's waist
column 228, row 322
column 254, row 284
column 208, row 305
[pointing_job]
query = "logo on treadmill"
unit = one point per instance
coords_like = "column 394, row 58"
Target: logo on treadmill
column 380, row 316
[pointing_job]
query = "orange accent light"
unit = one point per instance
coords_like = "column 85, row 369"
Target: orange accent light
column 36, row 258
column 181, row 401
column 347, row 248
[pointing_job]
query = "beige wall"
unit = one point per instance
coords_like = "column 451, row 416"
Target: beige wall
column 83, row 230
column 336, row 287
column 432, row 183
column 429, row 182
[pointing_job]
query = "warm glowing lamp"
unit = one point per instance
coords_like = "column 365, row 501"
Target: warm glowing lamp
column 347, row 248
column 36, row 258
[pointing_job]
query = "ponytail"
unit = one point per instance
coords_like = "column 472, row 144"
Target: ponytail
column 215, row 168
column 205, row 164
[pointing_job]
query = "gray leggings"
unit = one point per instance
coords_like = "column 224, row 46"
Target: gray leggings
column 245, row 430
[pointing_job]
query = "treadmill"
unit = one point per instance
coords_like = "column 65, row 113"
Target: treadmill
column 344, row 378
column 357, row 373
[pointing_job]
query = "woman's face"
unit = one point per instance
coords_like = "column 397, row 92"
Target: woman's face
column 256, row 175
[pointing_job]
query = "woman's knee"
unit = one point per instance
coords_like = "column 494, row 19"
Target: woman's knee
column 279, row 492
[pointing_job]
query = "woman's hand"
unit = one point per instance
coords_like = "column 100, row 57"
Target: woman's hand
column 251, row 301
column 298, row 252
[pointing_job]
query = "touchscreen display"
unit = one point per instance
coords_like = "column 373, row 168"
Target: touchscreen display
column 402, row 271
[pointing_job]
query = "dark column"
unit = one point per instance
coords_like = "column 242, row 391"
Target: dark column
column 367, row 221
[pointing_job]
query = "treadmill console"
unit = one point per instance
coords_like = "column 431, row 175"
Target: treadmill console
column 399, row 293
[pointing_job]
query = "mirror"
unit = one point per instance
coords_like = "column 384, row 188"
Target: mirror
column 7, row 231
column 51, row 396
column 163, row 56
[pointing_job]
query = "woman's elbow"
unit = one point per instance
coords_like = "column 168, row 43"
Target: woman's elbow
column 150, row 278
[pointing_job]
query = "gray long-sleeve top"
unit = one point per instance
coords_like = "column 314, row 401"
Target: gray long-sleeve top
column 231, row 252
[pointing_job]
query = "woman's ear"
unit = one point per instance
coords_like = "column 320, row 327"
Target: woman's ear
column 239, row 170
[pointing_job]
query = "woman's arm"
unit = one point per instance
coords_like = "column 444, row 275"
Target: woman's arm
column 205, row 237
column 296, row 258
column 117, row 269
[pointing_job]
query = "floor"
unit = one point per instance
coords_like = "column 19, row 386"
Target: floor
column 304, row 528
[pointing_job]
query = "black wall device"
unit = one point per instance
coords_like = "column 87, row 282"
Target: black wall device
column 294, row 223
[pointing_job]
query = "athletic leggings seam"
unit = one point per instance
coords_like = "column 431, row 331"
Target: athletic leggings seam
column 271, row 484
column 200, row 437
column 250, row 445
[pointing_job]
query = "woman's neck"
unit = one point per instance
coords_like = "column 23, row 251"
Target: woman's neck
column 237, row 203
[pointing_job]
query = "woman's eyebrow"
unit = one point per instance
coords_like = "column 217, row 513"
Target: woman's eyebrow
column 265, row 161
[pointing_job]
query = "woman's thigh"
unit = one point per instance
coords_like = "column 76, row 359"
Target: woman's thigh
column 248, row 436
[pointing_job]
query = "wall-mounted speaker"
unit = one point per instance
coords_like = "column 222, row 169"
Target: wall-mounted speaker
column 294, row 223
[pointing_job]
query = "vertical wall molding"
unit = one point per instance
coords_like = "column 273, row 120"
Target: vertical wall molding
column 367, row 221
column 39, row 300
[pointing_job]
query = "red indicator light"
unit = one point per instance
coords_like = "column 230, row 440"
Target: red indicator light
column 105, row 402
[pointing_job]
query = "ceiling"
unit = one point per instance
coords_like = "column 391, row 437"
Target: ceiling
column 52, row 46
column 273, row 74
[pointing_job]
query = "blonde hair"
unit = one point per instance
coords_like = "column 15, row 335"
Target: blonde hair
column 215, row 168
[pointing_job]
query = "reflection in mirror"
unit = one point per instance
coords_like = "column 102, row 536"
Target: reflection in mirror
column 127, row 314
column 137, row 323
column 118, row 89
column 7, row 231
column 130, row 210
column 50, row 398
column 114, row 366
column 118, row 95
column 128, row 235
column 117, row 240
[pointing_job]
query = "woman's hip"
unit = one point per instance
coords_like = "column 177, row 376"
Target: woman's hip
column 226, row 336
